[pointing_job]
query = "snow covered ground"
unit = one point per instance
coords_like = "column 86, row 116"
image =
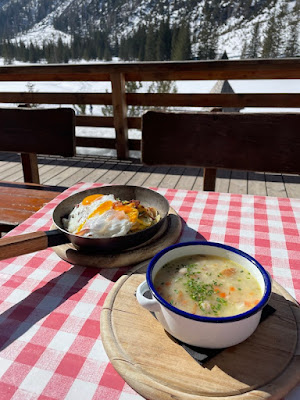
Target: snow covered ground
column 239, row 86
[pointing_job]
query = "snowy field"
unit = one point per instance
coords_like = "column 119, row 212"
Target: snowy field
column 239, row 86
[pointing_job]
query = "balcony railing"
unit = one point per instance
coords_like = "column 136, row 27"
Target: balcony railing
column 118, row 73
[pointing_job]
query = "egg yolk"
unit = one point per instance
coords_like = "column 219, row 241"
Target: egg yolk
column 89, row 199
column 129, row 209
column 107, row 205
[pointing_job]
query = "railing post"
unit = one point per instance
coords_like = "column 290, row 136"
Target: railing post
column 120, row 114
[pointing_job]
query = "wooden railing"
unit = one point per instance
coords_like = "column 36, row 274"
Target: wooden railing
column 119, row 73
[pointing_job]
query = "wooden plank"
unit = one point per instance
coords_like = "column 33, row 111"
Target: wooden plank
column 156, row 177
column 120, row 115
column 238, row 182
column 189, row 179
column 172, row 177
column 96, row 175
column 127, row 174
column 38, row 131
column 55, row 98
column 96, row 142
column 283, row 100
column 9, row 173
column 198, row 184
column 292, row 185
column 252, row 142
column 184, row 70
column 48, row 177
column 45, row 170
column 96, row 121
column 275, row 185
column 105, row 143
column 223, row 180
column 81, row 174
column 113, row 173
column 7, row 166
column 141, row 176
column 257, row 183
column 214, row 100
column 71, row 170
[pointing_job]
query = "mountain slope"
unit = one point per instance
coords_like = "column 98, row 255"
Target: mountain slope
column 234, row 21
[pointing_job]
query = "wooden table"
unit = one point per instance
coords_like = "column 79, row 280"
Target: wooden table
column 50, row 340
column 18, row 201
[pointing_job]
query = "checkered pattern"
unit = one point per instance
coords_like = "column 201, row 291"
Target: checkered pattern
column 50, row 338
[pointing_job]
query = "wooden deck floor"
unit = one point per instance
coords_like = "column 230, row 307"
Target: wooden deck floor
column 66, row 172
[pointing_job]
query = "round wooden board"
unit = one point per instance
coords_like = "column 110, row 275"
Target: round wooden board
column 167, row 235
column 265, row 366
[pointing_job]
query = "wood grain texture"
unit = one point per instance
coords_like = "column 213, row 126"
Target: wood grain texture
column 40, row 131
column 265, row 366
column 30, row 167
column 14, row 246
column 19, row 201
column 168, row 235
column 263, row 142
column 120, row 114
column 144, row 71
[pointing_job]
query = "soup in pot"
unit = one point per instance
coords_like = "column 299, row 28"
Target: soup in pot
column 208, row 285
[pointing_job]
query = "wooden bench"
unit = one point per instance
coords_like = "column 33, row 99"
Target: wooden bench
column 31, row 132
column 261, row 142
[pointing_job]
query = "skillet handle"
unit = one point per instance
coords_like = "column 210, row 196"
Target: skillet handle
column 13, row 246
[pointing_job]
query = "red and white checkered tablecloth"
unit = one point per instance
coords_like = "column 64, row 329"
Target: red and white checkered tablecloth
column 50, row 334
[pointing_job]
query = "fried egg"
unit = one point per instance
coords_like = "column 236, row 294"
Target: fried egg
column 101, row 216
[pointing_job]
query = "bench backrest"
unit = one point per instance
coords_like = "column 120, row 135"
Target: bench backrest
column 262, row 142
column 31, row 131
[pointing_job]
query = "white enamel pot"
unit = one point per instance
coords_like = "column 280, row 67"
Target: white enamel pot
column 203, row 331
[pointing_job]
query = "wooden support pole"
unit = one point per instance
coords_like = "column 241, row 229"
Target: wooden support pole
column 209, row 179
column 120, row 114
column 30, row 167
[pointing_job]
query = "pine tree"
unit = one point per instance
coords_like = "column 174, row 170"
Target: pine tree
column 181, row 42
column 107, row 52
column 141, row 37
column 208, row 36
column 292, row 45
column 33, row 56
column 150, row 47
column 164, row 38
column 270, row 44
column 254, row 45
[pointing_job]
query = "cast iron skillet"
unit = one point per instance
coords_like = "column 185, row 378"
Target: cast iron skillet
column 23, row 244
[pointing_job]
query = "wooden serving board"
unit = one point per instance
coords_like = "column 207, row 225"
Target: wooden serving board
column 167, row 235
column 265, row 366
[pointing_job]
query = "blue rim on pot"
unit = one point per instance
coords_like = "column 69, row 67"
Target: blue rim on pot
column 254, row 310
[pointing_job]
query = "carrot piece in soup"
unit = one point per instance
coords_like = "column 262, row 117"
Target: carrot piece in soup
column 232, row 288
column 223, row 295
column 194, row 309
column 228, row 271
column 180, row 296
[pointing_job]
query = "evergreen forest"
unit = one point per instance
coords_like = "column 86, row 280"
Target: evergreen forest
column 156, row 39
